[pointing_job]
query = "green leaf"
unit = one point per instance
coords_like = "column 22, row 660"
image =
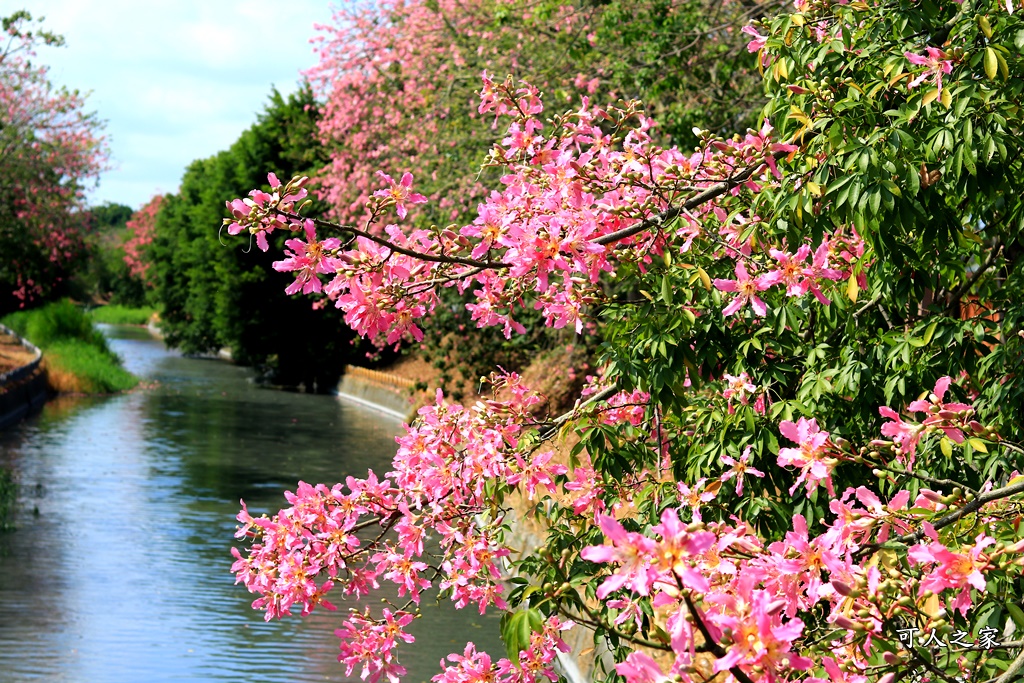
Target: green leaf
column 1016, row 613
column 985, row 26
column 991, row 63
column 978, row 445
column 930, row 332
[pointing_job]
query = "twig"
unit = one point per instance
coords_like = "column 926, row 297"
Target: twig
column 954, row 300
column 1011, row 672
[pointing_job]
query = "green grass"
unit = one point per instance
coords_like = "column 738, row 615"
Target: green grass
column 99, row 371
column 121, row 315
column 76, row 354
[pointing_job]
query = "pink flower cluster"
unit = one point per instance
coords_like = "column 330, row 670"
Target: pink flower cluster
column 746, row 596
column 626, row 406
column 142, row 227
column 791, row 270
column 535, row 661
column 260, row 212
column 950, row 418
column 323, row 541
column 719, row 583
column 369, row 644
column 569, row 195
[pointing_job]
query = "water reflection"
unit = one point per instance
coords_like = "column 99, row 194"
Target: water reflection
column 118, row 568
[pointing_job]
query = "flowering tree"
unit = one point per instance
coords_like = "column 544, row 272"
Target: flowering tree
column 800, row 461
column 142, row 228
column 49, row 150
column 399, row 80
column 399, row 84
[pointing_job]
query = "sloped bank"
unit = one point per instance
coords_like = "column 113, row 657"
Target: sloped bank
column 23, row 389
column 384, row 392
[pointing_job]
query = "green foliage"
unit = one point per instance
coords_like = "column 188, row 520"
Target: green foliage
column 215, row 293
column 932, row 184
column 56, row 322
column 98, row 370
column 114, row 314
column 104, row 276
column 687, row 61
column 109, row 215
column 72, row 345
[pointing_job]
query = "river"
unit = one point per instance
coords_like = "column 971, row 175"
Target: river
column 118, row 568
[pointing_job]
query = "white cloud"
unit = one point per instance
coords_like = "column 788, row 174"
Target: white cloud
column 175, row 80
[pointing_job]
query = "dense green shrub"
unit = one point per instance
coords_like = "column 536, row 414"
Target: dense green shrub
column 76, row 354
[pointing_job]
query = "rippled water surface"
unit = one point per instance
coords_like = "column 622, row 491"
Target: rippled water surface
column 118, row 569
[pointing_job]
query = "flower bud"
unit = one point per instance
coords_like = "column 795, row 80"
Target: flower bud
column 843, row 621
column 842, row 588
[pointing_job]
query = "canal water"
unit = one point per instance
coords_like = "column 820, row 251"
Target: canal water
column 118, row 568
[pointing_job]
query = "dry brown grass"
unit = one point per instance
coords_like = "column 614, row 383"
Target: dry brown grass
column 61, row 381
column 13, row 355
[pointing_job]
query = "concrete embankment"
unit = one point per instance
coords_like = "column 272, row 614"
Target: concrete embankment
column 382, row 391
column 23, row 388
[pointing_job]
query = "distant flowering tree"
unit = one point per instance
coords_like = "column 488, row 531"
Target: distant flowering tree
column 830, row 305
column 142, row 229
column 399, row 80
column 50, row 149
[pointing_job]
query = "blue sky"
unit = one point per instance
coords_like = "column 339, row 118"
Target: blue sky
column 175, row 80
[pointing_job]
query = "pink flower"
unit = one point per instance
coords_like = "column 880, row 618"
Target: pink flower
column 758, row 42
column 639, row 667
column 790, row 271
column 904, row 434
column 694, row 497
column 944, row 416
column 739, row 468
column 308, row 259
column 631, row 551
column 953, row 570
column 747, row 289
column 536, row 472
column 738, row 386
column 676, row 550
column 399, row 193
column 937, row 63
column 819, row 270
column 811, row 456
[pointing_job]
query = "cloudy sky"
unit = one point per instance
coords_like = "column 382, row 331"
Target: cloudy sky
column 175, row 80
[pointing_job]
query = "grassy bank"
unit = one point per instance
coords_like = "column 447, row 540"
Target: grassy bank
column 76, row 355
column 121, row 315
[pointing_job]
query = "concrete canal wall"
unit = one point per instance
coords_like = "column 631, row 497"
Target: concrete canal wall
column 23, row 390
column 382, row 391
